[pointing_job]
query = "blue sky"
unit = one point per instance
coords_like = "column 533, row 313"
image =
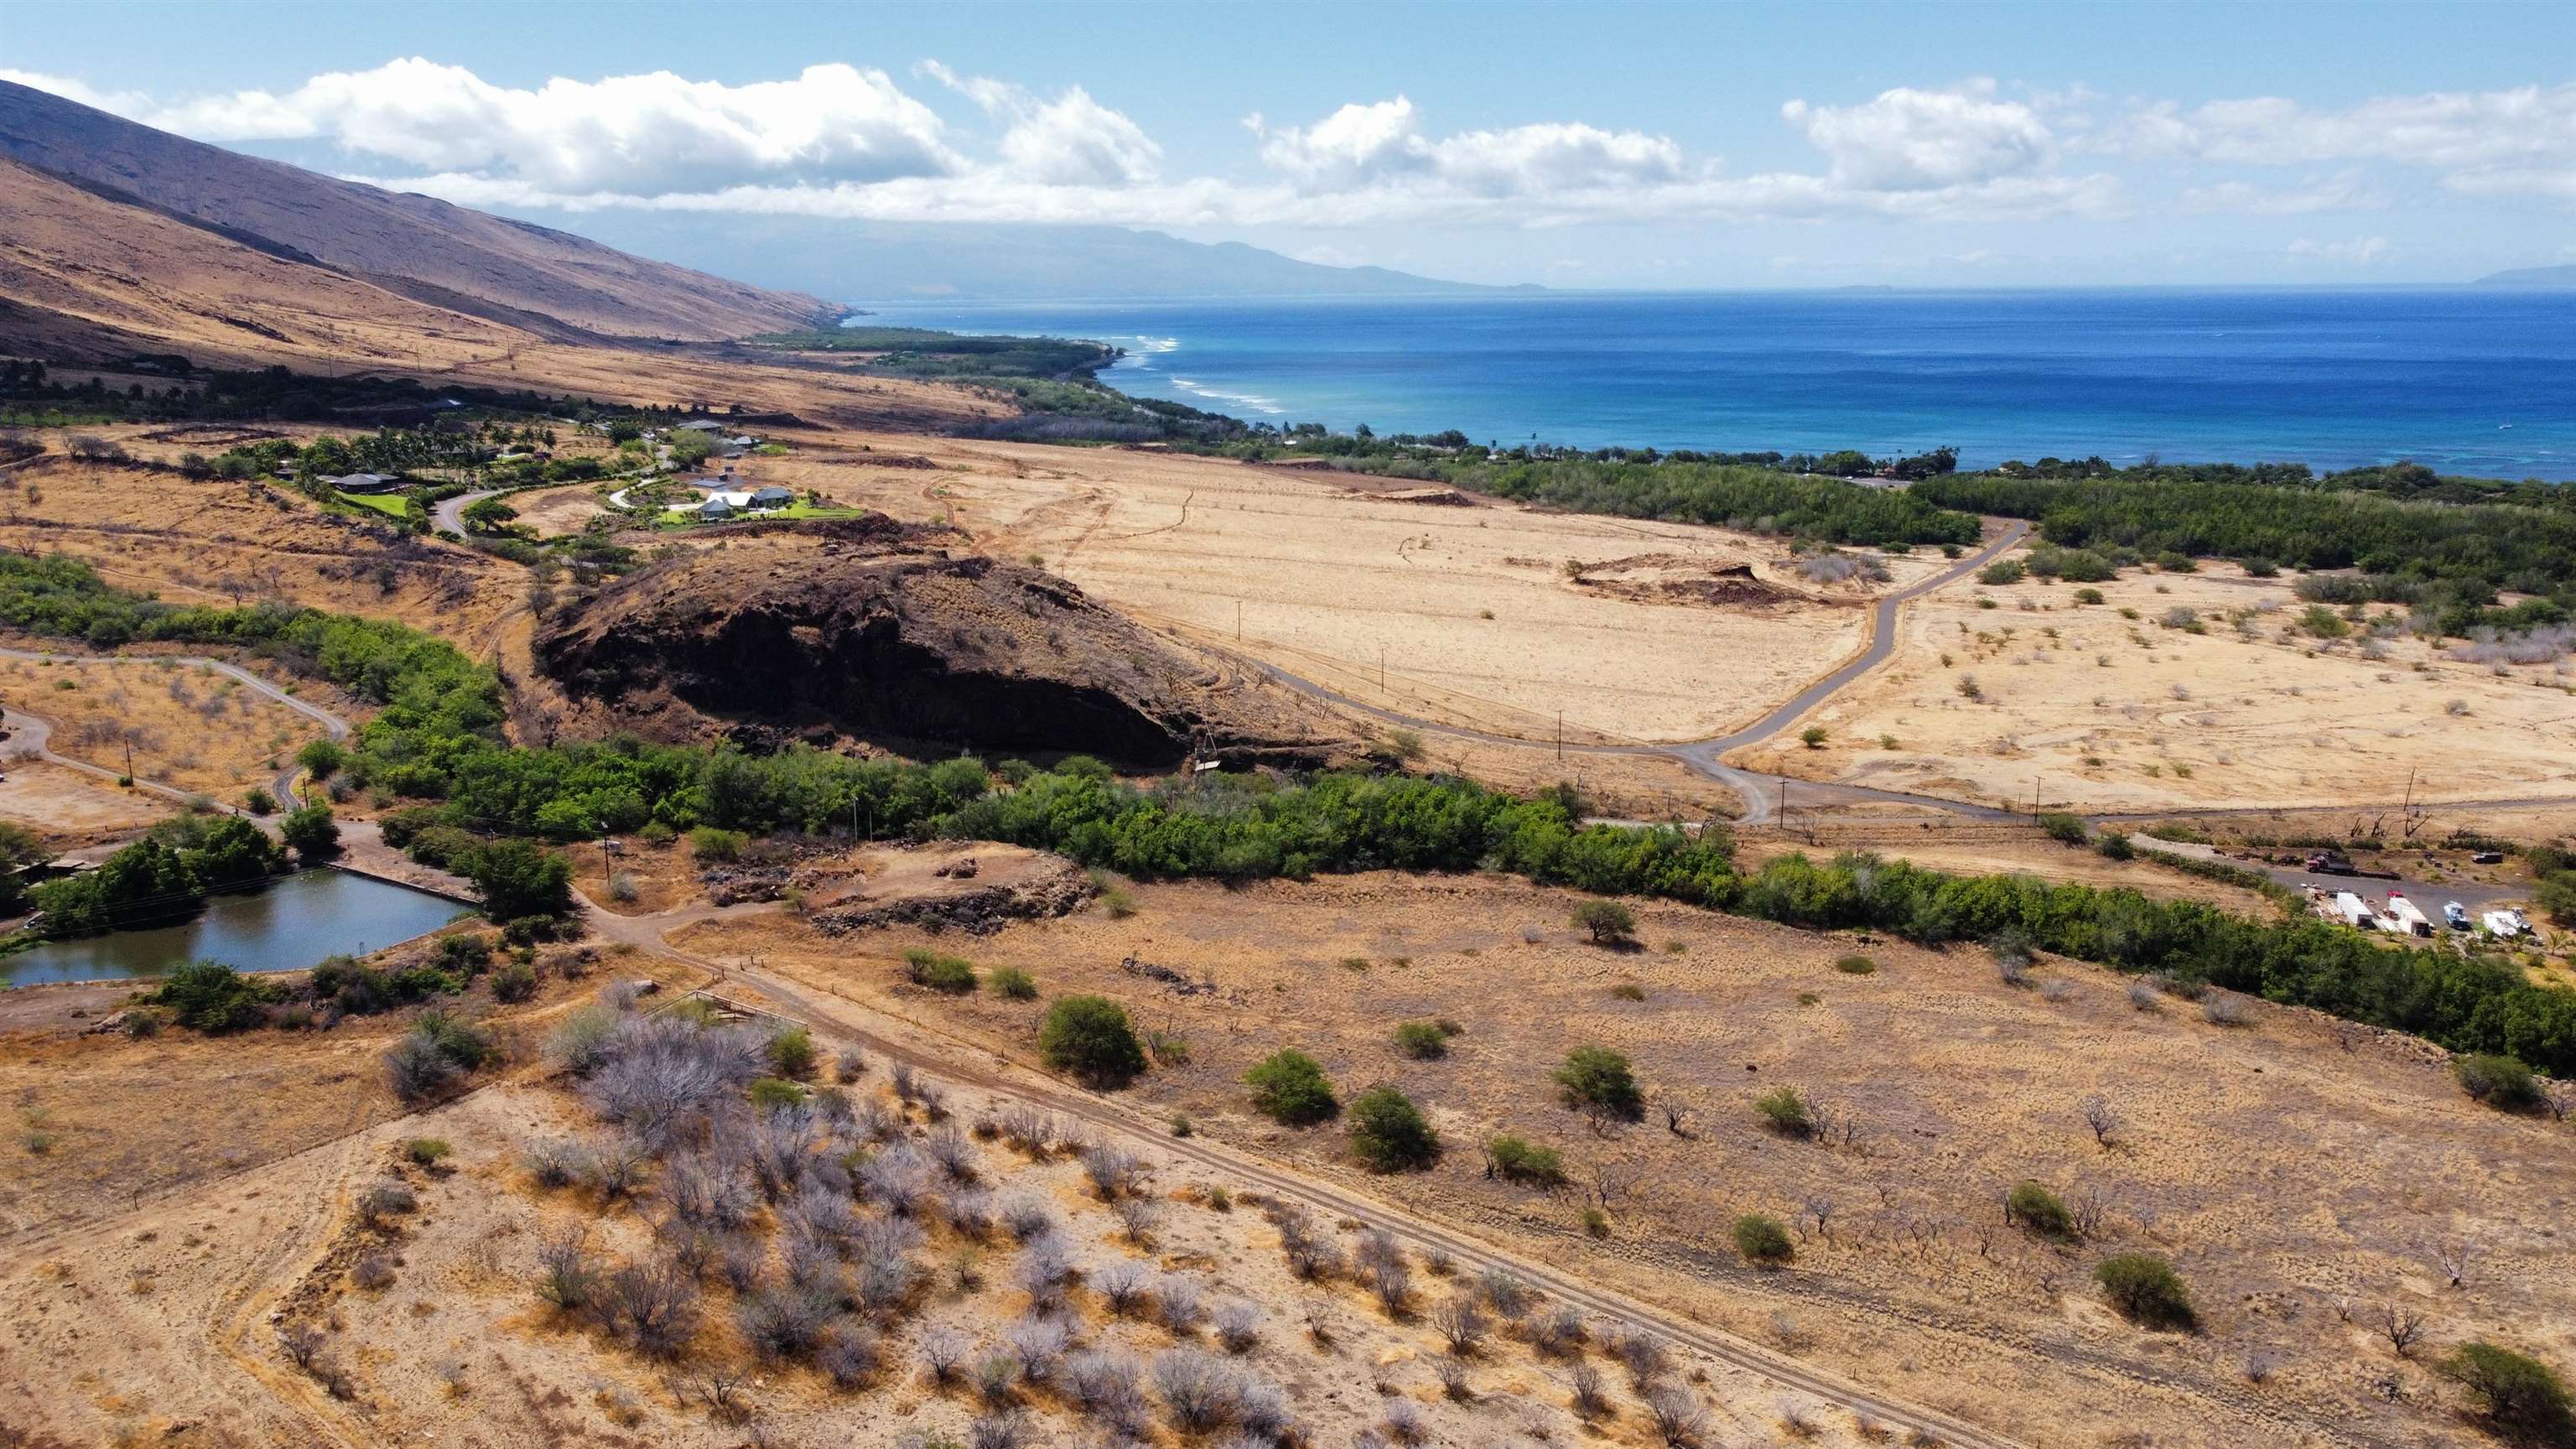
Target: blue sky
column 1597, row 145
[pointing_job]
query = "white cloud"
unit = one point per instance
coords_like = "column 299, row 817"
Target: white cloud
column 2520, row 141
column 130, row 104
column 1915, row 140
column 847, row 142
column 2362, row 252
column 1383, row 144
column 636, row 134
column 1072, row 140
column 2347, row 190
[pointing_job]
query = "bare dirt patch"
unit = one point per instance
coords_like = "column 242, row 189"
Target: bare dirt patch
column 69, row 808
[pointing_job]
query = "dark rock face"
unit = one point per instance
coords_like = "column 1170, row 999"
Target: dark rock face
column 906, row 647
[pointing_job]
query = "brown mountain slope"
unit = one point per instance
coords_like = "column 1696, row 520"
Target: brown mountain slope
column 429, row 250
column 80, row 274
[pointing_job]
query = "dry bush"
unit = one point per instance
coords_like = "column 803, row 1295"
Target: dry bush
column 1237, row 1325
column 1461, row 1323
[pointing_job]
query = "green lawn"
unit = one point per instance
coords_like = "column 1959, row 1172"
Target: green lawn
column 675, row 519
column 393, row 505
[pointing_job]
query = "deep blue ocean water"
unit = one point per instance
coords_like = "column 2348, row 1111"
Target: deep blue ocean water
column 2476, row 382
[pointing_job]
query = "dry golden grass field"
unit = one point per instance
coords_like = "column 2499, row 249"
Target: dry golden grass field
column 2111, row 707
column 188, row 726
column 2302, row 1174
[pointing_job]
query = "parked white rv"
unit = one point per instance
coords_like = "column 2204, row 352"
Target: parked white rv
column 2408, row 919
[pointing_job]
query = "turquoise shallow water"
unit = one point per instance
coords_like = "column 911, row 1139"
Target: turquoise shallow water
column 2478, row 382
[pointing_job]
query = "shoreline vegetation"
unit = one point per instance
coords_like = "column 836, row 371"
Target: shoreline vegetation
column 462, row 795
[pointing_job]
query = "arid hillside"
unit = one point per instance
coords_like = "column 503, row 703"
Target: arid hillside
column 433, row 252
column 882, row 634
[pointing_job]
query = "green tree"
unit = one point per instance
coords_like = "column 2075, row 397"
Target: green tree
column 1290, row 1088
column 520, row 878
column 2519, row 1395
column 1090, row 1037
column 1390, row 1134
column 1608, row 921
column 212, row 997
column 1516, row 1159
column 2039, row 1210
column 311, row 831
column 322, row 759
column 231, row 853
column 2499, row 1081
column 1595, row 1078
column 1786, row 1112
column 1762, row 1240
column 2147, row 1291
column 487, row 515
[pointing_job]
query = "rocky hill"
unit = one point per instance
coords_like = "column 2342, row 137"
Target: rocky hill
column 879, row 635
column 531, row 277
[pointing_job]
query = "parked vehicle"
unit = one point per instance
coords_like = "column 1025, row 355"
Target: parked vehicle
column 2327, row 862
column 2457, row 915
column 2404, row 917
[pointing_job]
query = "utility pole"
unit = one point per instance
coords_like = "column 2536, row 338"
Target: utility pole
column 1238, row 621
column 1381, row 669
column 1560, row 735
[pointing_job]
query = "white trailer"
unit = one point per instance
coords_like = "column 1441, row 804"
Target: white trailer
column 2409, row 919
column 2503, row 924
column 2352, row 910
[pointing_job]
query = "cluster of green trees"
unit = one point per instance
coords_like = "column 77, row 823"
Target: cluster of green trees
column 437, row 740
column 2402, row 480
column 28, row 394
column 163, row 876
column 2449, row 558
column 927, row 353
column 1755, row 499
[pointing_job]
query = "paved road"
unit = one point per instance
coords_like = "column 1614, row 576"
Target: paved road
column 449, row 513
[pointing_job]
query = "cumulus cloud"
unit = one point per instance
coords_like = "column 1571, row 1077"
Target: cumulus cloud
column 639, row 134
column 1383, row 143
column 1917, row 140
column 2346, row 190
column 1072, row 140
column 2519, row 141
column 838, row 140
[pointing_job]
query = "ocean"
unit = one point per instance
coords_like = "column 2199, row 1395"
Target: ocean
column 2474, row 382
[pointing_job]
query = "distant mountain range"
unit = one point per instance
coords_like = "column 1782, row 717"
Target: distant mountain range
column 871, row 261
column 2549, row 278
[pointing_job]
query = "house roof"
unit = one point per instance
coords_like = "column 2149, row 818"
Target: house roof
column 701, row 425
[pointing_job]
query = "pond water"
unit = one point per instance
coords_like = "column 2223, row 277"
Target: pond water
column 289, row 926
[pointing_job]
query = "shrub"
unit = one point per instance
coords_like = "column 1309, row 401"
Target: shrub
column 428, row 1151
column 1390, row 1134
column 2146, row 1291
column 1786, row 1112
column 1813, row 737
column 259, row 802
column 1013, row 983
column 706, row 842
column 2520, row 1396
column 1609, row 922
column 792, row 1053
column 1421, row 1040
column 2499, row 1081
column 1089, row 1036
column 2002, row 571
column 2114, row 845
column 209, row 996
column 417, row 1071
column 951, row 974
column 514, row 982
column 1598, row 1079
column 1516, row 1159
column 1855, row 965
column 770, row 1093
column 1289, row 1087
column 2062, row 827
column 1763, row 1241
column 2039, row 1210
